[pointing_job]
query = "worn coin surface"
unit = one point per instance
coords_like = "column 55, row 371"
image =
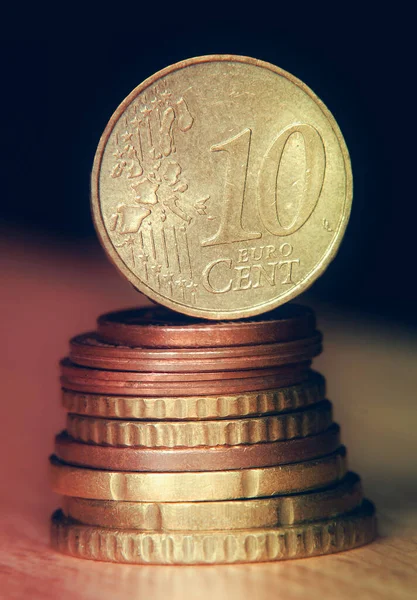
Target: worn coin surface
column 198, row 407
column 208, row 516
column 221, row 187
column 202, row 458
column 314, row 538
column 159, row 327
column 197, row 486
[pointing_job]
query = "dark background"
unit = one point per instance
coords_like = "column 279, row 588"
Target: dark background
column 60, row 94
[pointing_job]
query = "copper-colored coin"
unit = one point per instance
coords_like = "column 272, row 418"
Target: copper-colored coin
column 198, row 407
column 95, row 381
column 69, row 369
column 190, row 434
column 88, row 351
column 209, row 458
column 212, row 516
column 303, row 540
column 158, row 327
column 193, row 486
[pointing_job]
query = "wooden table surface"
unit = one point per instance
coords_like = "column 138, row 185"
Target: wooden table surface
column 51, row 293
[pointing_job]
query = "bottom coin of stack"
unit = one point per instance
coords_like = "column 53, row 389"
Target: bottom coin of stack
column 250, row 470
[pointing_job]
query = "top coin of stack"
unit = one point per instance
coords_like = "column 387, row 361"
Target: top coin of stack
column 221, row 187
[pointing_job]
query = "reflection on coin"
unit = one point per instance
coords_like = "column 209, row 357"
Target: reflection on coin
column 221, row 187
column 343, row 532
column 197, row 407
column 197, row 486
column 232, row 514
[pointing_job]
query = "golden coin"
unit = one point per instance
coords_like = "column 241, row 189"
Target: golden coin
column 221, row 187
column 343, row 532
column 221, row 432
column 195, row 486
column 208, row 516
column 197, row 407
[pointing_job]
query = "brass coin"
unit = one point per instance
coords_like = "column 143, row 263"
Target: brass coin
column 209, row 516
column 221, row 187
column 190, row 434
column 88, row 351
column 197, row 486
column 159, row 327
column 198, row 407
column 326, row 536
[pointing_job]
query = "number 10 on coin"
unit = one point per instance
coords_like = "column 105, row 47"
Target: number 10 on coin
column 221, row 187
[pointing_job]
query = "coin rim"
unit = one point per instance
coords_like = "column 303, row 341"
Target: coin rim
column 223, row 333
column 187, row 486
column 327, row 535
column 288, row 398
column 289, row 510
column 100, row 431
column 140, row 285
column 196, row 459
column 110, row 357
column 189, row 388
column 90, row 344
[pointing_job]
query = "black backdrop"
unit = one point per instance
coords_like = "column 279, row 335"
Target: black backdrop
column 59, row 95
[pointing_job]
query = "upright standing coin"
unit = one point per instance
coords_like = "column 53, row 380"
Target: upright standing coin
column 221, row 187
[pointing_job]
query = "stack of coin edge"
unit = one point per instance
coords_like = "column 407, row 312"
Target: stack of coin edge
column 192, row 442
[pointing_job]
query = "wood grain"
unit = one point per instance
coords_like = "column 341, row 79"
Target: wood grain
column 48, row 295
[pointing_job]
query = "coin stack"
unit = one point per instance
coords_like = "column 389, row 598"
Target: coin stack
column 221, row 189
column 193, row 442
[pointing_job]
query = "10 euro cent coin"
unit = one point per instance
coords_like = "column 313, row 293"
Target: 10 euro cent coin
column 221, row 187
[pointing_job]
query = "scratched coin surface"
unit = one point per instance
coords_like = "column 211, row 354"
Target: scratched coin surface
column 221, row 187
